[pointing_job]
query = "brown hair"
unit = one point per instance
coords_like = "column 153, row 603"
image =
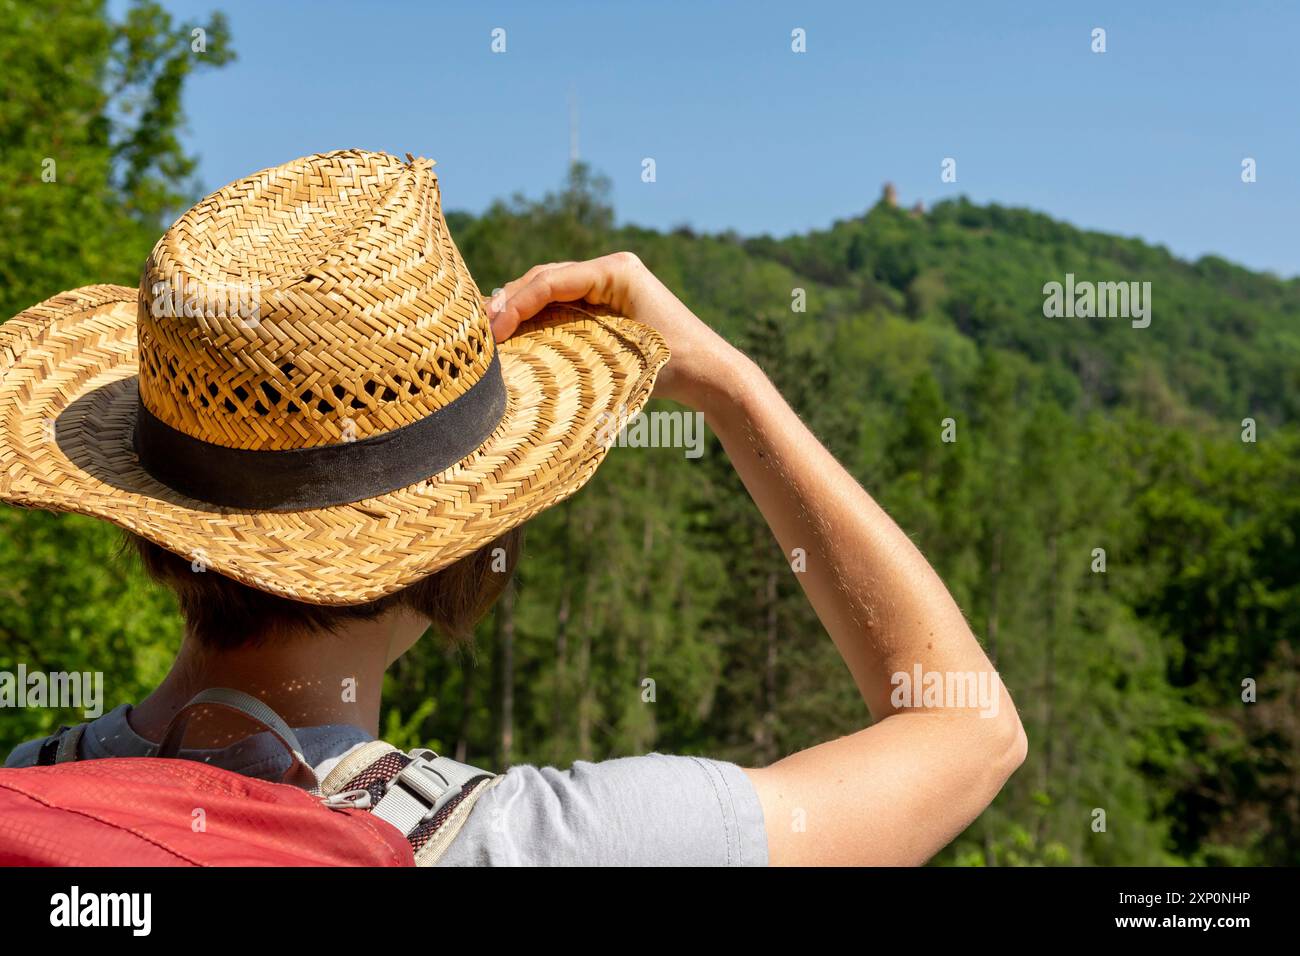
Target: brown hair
column 224, row 614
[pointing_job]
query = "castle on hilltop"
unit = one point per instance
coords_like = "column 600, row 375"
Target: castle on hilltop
column 889, row 196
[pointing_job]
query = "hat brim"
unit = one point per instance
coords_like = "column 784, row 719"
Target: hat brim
column 67, row 413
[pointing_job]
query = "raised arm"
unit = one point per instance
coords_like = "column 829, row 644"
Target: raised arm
column 899, row 790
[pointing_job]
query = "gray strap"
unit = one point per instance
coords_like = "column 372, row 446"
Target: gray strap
column 69, row 743
column 401, row 808
column 299, row 774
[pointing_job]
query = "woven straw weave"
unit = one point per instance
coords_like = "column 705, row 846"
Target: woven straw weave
column 344, row 300
column 375, row 291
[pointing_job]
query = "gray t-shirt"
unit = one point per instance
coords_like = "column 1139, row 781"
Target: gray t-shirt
column 654, row 810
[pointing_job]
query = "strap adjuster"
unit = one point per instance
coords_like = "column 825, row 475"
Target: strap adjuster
column 423, row 787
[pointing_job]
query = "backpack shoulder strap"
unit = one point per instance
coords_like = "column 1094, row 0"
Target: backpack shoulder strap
column 70, row 744
column 425, row 796
column 300, row 773
column 62, row 746
column 449, row 829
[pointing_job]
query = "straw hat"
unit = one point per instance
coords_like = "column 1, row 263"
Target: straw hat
column 304, row 394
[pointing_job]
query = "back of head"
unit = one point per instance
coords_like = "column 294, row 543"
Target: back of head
column 222, row 614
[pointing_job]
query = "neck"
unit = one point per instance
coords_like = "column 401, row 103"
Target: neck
column 308, row 678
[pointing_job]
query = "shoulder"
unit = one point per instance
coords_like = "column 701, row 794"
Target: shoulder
column 24, row 755
column 633, row 811
column 103, row 737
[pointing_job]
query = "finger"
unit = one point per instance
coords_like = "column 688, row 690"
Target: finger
column 494, row 303
column 514, row 285
column 537, row 270
column 568, row 283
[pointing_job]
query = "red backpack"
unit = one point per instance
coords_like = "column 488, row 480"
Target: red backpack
column 377, row 807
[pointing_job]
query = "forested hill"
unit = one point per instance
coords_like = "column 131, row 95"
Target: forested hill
column 939, row 289
column 1222, row 339
column 1126, row 556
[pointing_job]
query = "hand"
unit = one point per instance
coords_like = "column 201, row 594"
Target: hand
column 701, row 359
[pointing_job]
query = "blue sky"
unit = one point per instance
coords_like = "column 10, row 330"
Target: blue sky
column 1146, row 139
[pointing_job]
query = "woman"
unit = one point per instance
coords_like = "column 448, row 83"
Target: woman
column 893, row 793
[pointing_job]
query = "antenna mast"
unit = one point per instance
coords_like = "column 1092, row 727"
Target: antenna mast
column 573, row 126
